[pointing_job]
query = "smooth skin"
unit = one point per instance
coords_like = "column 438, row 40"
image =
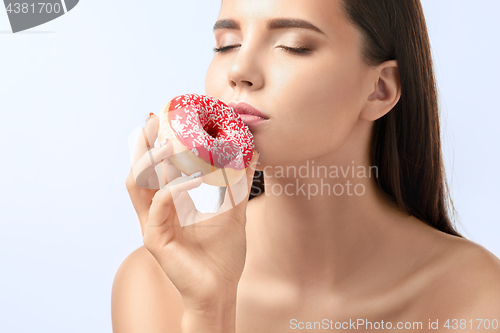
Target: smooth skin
column 280, row 257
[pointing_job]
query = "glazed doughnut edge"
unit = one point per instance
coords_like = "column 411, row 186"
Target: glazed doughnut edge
column 188, row 163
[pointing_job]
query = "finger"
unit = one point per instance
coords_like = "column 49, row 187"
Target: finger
column 184, row 206
column 141, row 199
column 165, row 216
column 166, row 171
column 159, row 229
column 171, row 200
column 144, row 169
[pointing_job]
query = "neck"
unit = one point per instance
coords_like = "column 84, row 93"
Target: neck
column 317, row 239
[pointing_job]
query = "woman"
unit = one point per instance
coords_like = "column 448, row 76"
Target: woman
column 345, row 85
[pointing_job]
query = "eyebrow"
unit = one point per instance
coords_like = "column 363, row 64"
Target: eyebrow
column 273, row 24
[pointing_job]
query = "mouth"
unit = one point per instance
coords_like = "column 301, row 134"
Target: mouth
column 250, row 115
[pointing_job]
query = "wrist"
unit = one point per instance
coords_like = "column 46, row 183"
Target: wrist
column 211, row 303
column 219, row 317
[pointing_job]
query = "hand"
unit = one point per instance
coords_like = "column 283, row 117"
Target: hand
column 142, row 181
column 202, row 254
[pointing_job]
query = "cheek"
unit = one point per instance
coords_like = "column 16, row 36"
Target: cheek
column 214, row 81
column 322, row 107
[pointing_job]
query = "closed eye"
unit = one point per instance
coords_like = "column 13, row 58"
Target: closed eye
column 224, row 48
column 296, row 50
column 299, row 50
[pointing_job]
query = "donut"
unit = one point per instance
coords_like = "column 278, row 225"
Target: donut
column 208, row 136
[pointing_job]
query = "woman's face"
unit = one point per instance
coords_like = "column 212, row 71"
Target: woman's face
column 312, row 98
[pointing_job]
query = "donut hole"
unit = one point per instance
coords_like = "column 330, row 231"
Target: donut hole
column 211, row 130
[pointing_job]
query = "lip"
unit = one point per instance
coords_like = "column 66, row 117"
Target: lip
column 248, row 112
column 250, row 120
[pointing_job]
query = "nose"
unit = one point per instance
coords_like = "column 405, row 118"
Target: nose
column 245, row 71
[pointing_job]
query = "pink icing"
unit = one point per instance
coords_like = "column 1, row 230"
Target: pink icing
column 211, row 130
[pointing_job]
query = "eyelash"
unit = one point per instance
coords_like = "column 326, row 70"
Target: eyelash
column 300, row 50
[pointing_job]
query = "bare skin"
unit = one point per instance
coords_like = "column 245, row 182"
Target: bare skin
column 337, row 257
column 429, row 275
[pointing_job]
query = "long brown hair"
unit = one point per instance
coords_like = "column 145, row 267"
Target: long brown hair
column 406, row 142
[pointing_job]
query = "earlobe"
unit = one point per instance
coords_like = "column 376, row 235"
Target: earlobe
column 385, row 93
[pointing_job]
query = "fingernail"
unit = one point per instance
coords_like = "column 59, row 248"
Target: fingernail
column 195, row 175
column 164, row 142
column 150, row 115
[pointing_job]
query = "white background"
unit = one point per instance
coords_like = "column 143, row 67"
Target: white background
column 71, row 92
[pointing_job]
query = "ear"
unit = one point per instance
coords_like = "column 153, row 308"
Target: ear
column 385, row 93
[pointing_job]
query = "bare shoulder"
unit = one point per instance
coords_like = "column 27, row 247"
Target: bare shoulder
column 466, row 283
column 481, row 271
column 143, row 298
